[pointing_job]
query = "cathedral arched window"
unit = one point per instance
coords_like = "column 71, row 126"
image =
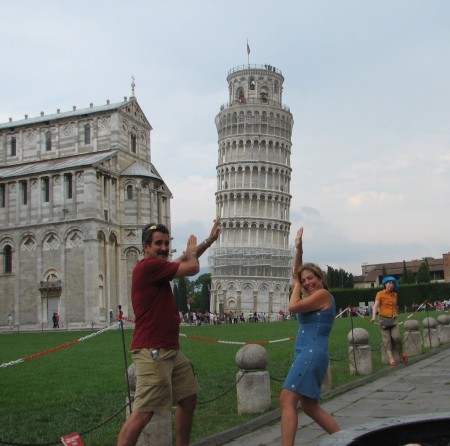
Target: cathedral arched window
column 2, row 195
column 87, row 134
column 133, row 143
column 129, row 190
column 68, row 185
column 23, row 188
column 48, row 140
column 7, row 259
column 45, row 182
column 12, row 146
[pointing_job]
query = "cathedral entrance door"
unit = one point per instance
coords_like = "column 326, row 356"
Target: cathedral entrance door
column 52, row 307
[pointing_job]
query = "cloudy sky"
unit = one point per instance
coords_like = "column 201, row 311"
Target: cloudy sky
column 368, row 84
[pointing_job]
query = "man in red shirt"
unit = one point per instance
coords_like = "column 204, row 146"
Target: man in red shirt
column 164, row 376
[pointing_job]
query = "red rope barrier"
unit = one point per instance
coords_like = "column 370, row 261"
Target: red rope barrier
column 50, row 350
column 54, row 349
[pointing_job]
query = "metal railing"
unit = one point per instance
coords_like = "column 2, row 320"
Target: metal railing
column 266, row 67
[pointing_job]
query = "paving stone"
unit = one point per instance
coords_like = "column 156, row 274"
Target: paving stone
column 421, row 387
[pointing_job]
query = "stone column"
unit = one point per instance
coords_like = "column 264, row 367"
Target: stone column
column 359, row 352
column 430, row 334
column 443, row 329
column 253, row 381
column 159, row 430
column 412, row 343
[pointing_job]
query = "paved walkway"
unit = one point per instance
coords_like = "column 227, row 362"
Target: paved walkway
column 421, row 387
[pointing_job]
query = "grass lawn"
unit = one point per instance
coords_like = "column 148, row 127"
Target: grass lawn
column 80, row 387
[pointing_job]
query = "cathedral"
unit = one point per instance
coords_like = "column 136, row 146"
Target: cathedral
column 76, row 187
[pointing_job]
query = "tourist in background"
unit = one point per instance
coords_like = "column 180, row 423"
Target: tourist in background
column 10, row 321
column 386, row 306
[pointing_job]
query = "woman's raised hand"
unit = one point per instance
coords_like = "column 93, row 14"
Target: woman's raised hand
column 298, row 238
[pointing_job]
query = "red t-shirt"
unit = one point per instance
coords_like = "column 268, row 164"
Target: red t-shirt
column 157, row 322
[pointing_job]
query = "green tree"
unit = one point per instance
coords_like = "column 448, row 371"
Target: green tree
column 190, row 287
column 201, row 280
column 182, row 294
column 350, row 282
column 342, row 278
column 330, row 276
column 423, row 274
column 339, row 278
column 204, row 299
column 407, row 275
column 202, row 287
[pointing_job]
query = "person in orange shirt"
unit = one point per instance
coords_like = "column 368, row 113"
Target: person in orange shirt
column 386, row 306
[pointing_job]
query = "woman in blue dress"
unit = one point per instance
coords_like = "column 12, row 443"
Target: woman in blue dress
column 315, row 309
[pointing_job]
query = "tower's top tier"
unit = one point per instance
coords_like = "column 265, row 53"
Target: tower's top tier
column 255, row 84
column 254, row 67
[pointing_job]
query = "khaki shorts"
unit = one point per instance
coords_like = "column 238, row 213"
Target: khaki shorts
column 162, row 382
column 391, row 338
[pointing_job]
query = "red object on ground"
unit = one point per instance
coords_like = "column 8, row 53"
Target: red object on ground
column 72, row 439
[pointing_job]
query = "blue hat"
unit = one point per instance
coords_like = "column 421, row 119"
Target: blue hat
column 390, row 279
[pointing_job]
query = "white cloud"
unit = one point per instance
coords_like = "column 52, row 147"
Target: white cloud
column 381, row 200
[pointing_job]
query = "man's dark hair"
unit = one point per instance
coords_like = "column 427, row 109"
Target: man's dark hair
column 148, row 230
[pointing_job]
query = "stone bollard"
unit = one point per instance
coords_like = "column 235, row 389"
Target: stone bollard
column 253, row 381
column 443, row 329
column 359, row 352
column 412, row 342
column 430, row 334
column 159, row 430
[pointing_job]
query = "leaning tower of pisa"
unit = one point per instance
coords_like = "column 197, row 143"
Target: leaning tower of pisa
column 250, row 263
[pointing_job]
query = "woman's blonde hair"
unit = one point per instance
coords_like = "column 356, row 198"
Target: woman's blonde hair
column 316, row 270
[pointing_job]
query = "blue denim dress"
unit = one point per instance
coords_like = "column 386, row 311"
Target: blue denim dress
column 311, row 353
